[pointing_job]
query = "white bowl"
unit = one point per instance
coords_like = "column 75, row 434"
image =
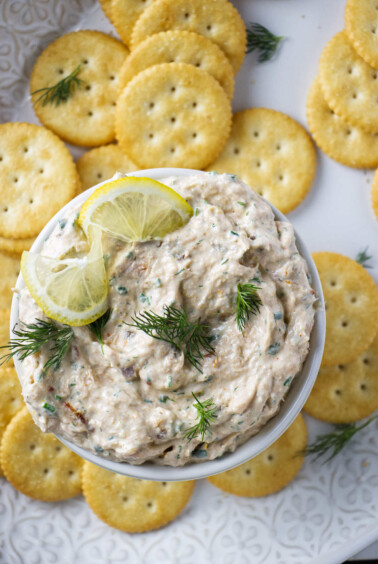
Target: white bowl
column 296, row 397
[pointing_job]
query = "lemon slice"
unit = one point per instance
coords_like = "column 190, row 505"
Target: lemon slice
column 73, row 290
column 135, row 209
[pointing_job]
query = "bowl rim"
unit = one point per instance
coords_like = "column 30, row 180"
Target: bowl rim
column 269, row 433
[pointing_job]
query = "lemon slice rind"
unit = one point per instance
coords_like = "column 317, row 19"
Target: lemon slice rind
column 134, row 209
column 73, row 291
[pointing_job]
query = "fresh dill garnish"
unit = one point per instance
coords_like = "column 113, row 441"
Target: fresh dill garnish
column 97, row 326
column 61, row 91
column 363, row 258
column 31, row 337
column 175, row 328
column 205, row 415
column 247, row 302
column 264, row 41
column 336, row 440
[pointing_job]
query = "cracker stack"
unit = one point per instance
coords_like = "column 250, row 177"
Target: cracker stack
column 342, row 110
column 168, row 102
column 346, row 389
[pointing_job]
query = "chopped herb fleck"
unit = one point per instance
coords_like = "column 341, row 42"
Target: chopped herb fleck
column 179, row 271
column 98, row 325
column 273, row 349
column 98, row 449
column 287, row 381
column 242, row 204
column 62, row 223
column 164, row 399
column 234, row 233
column 277, row 315
column 196, row 211
column 122, row 290
column 200, row 453
column 224, row 261
column 58, row 397
column 144, row 299
column 48, row 407
column 158, row 283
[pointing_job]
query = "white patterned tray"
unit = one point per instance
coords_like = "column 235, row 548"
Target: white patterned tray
column 330, row 511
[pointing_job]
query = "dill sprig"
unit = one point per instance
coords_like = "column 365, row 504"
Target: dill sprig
column 61, row 91
column 98, row 325
column 175, row 328
column 363, row 258
column 264, row 41
column 247, row 302
column 205, row 415
column 334, row 441
column 31, row 337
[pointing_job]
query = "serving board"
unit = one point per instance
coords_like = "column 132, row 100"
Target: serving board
column 329, row 512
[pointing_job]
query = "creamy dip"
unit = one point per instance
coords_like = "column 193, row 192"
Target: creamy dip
column 134, row 402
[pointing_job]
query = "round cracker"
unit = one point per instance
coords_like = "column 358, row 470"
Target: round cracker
column 132, row 505
column 10, row 398
column 219, row 21
column 36, row 463
column 173, row 115
column 10, row 269
column 271, row 470
column 33, row 163
column 179, row 47
column 347, row 392
column 351, row 301
column 5, row 333
column 349, row 84
column 125, row 13
column 15, row 246
column 106, row 6
column 101, row 164
column 272, row 153
column 345, row 143
column 87, row 117
column 374, row 194
column 361, row 26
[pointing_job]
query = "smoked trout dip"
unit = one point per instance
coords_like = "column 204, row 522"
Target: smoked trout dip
column 134, row 401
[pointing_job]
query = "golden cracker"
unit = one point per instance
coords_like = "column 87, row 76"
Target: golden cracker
column 351, row 302
column 349, row 84
column 15, row 246
column 272, row 153
column 374, row 194
column 36, row 463
column 37, row 178
column 106, row 6
column 87, row 117
column 361, row 26
column 173, row 115
column 132, row 505
column 179, row 47
column 218, row 21
column 101, row 164
column 124, row 15
column 346, row 392
column 5, row 332
column 271, row 470
column 10, row 269
column 10, row 398
column 345, row 143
